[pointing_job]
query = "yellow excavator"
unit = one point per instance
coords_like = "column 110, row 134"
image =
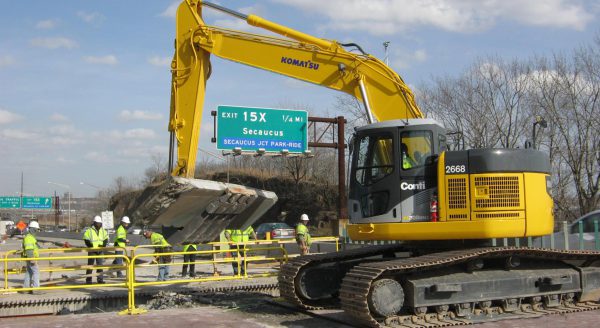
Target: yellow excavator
column 439, row 207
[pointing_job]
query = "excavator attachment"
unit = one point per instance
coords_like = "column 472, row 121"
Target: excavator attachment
column 197, row 211
column 187, row 209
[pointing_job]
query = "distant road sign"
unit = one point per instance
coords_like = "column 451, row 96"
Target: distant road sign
column 108, row 221
column 37, row 202
column 10, row 202
column 252, row 129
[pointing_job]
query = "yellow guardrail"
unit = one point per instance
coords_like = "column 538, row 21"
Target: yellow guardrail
column 245, row 253
column 63, row 258
column 314, row 240
column 133, row 283
column 19, row 270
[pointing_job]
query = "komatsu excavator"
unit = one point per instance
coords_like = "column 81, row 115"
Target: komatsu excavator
column 441, row 208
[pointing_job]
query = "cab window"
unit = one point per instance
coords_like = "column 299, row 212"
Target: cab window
column 375, row 158
column 416, row 147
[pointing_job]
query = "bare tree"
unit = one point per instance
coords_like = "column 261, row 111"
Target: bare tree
column 568, row 94
column 487, row 103
column 494, row 104
column 157, row 171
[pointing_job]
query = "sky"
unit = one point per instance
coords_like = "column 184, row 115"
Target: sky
column 85, row 85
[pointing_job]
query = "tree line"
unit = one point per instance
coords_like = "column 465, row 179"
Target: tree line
column 497, row 103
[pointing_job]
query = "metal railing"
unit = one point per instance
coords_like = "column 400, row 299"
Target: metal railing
column 7, row 260
column 315, row 241
column 133, row 262
column 256, row 251
column 132, row 282
column 10, row 257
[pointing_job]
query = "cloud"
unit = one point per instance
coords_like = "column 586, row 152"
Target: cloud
column 6, row 61
column 18, row 134
column 54, row 43
column 403, row 60
column 132, row 134
column 160, row 61
column 171, row 10
column 64, row 130
column 386, row 17
column 58, row 118
column 103, row 60
column 63, row 160
column 46, row 24
column 8, row 117
column 90, row 17
column 99, row 157
column 141, row 152
column 63, row 141
column 128, row 115
column 65, row 134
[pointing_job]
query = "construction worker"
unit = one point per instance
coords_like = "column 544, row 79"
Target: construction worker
column 407, row 161
column 302, row 235
column 95, row 237
column 30, row 250
column 239, row 237
column 189, row 258
column 121, row 241
column 157, row 239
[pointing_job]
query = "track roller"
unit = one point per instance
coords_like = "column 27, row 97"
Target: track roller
column 386, row 297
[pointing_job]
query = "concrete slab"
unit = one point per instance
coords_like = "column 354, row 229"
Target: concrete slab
column 194, row 210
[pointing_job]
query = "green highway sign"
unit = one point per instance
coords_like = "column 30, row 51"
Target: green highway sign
column 37, row 202
column 253, row 129
column 10, row 202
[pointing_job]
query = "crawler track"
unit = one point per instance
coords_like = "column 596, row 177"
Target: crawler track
column 289, row 272
column 357, row 283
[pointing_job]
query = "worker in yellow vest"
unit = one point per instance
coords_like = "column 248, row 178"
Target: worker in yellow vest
column 302, row 235
column 121, row 241
column 157, row 239
column 30, row 251
column 238, row 239
column 189, row 259
column 95, row 237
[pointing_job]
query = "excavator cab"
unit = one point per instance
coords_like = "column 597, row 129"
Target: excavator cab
column 394, row 172
column 401, row 169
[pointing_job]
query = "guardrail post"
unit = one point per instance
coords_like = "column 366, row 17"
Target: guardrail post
column 566, row 234
column 245, row 263
column 131, row 309
column 597, row 241
column 542, row 244
column 580, row 227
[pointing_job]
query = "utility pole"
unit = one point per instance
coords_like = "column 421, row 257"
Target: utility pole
column 386, row 44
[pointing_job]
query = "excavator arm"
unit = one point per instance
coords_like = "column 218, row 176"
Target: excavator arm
column 327, row 63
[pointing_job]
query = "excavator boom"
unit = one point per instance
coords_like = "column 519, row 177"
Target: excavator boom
column 323, row 62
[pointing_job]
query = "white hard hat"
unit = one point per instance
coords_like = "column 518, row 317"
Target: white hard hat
column 34, row 224
column 125, row 219
column 304, row 217
column 97, row 218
